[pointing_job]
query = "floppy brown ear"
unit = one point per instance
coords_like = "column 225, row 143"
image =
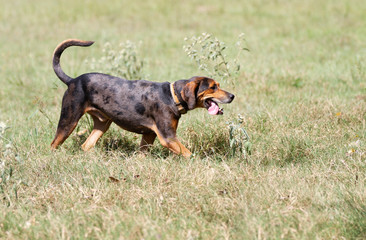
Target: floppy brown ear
column 189, row 93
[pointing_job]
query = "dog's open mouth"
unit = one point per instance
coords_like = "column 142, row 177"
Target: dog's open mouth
column 212, row 107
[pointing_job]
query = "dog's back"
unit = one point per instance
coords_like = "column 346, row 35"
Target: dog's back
column 133, row 105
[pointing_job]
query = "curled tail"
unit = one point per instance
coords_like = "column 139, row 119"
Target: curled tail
column 57, row 54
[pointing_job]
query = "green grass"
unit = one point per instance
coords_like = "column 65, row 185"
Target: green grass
column 302, row 95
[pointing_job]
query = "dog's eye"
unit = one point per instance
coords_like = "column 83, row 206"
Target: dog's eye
column 214, row 87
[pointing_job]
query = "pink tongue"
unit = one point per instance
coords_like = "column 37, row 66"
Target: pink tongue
column 213, row 109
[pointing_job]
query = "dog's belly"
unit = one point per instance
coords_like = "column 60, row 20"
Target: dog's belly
column 132, row 126
column 132, row 105
column 126, row 117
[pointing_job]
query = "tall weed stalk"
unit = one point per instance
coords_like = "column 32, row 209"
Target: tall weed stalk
column 210, row 54
column 124, row 62
column 8, row 159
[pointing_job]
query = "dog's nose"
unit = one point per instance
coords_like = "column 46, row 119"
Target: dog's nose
column 232, row 96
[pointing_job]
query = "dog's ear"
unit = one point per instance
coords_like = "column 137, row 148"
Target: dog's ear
column 189, row 93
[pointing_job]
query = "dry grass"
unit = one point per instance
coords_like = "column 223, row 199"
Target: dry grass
column 301, row 94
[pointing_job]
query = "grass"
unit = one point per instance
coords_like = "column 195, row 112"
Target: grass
column 301, row 92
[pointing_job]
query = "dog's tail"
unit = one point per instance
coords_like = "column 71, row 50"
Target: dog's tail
column 57, row 54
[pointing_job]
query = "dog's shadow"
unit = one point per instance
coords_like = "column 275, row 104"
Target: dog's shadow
column 122, row 143
column 203, row 145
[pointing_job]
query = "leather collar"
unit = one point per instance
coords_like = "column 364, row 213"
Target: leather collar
column 179, row 104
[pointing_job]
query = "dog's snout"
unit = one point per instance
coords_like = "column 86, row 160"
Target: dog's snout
column 231, row 96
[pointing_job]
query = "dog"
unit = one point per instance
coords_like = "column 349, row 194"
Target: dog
column 152, row 109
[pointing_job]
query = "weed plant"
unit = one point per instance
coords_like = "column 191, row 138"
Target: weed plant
column 300, row 92
column 209, row 53
column 9, row 160
column 125, row 62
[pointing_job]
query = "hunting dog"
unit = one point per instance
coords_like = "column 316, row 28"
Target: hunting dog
column 149, row 108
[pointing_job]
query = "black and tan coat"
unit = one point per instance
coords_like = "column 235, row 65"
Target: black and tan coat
column 149, row 108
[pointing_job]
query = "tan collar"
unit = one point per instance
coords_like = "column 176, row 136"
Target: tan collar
column 179, row 105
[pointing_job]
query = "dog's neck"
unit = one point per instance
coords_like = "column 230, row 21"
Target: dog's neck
column 176, row 89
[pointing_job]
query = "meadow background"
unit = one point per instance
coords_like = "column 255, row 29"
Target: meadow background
column 301, row 92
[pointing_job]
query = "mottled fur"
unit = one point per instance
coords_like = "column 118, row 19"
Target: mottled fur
column 138, row 106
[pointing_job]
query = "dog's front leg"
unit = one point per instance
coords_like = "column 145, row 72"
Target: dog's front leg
column 177, row 147
column 147, row 140
column 168, row 139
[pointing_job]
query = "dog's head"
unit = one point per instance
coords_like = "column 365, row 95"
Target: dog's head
column 206, row 93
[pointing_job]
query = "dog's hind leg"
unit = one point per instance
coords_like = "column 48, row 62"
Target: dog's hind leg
column 73, row 108
column 101, row 125
column 68, row 121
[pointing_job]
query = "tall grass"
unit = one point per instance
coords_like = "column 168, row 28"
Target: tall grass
column 298, row 169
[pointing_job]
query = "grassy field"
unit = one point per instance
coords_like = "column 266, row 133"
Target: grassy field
column 301, row 92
